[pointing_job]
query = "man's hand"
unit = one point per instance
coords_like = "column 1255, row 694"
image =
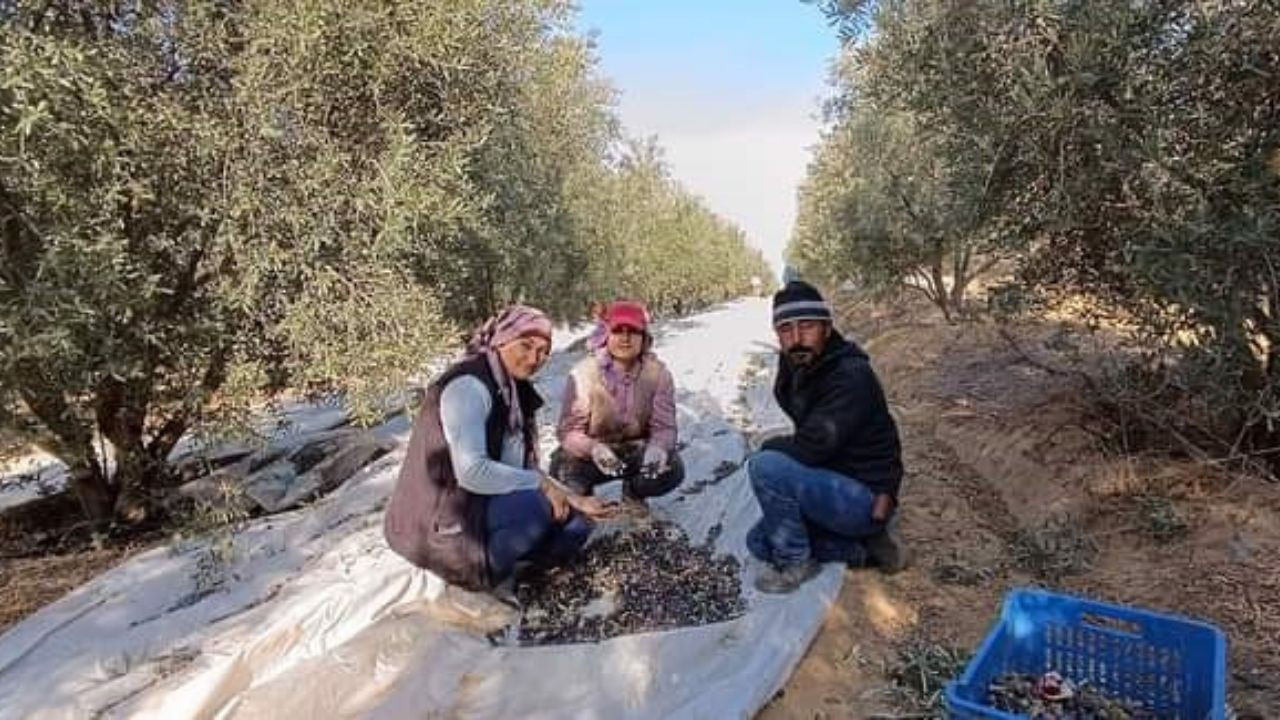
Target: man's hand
column 558, row 498
column 593, row 507
column 655, row 459
column 757, row 439
column 882, row 507
column 606, row 460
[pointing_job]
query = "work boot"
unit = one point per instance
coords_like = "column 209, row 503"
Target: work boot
column 505, row 592
column 786, row 577
column 475, row 610
column 885, row 553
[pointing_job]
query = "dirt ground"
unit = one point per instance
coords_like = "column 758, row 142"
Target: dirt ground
column 1005, row 488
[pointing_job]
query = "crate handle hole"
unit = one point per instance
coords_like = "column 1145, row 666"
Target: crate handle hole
column 1112, row 623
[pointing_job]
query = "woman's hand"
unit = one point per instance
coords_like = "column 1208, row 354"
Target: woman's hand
column 605, row 459
column 593, row 507
column 558, row 498
column 655, row 460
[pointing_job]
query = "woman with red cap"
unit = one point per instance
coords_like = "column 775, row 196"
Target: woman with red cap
column 618, row 418
column 470, row 501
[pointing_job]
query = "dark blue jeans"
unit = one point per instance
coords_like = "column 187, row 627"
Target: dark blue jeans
column 520, row 527
column 809, row 512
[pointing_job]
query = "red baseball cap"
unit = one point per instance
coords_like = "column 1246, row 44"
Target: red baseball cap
column 630, row 313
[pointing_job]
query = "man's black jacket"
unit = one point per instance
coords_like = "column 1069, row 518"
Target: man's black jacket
column 841, row 418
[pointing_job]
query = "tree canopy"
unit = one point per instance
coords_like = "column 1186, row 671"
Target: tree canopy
column 205, row 202
column 1126, row 151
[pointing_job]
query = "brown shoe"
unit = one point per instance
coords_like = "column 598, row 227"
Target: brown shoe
column 477, row 611
column 782, row 579
column 885, row 552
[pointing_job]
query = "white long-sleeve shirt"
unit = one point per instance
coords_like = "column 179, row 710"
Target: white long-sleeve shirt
column 465, row 404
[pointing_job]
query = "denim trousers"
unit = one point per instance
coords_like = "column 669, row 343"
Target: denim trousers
column 520, row 527
column 808, row 512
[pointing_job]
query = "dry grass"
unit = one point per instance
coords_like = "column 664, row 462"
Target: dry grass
column 1058, row 547
column 920, row 673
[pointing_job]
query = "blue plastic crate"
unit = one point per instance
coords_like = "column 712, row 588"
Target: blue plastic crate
column 1175, row 666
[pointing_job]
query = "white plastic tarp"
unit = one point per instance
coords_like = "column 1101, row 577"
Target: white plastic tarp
column 308, row 619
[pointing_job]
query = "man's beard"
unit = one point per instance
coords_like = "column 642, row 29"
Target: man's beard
column 801, row 355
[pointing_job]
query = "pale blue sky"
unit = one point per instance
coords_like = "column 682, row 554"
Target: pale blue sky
column 730, row 88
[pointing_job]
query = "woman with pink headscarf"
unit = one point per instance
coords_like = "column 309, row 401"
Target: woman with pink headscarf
column 470, row 501
column 618, row 417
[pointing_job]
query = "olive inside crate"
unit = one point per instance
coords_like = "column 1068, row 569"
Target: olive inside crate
column 1174, row 666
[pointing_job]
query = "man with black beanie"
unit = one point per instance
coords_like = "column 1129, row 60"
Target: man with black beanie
column 828, row 490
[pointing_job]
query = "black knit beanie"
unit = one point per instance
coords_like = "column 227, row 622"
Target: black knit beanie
column 799, row 301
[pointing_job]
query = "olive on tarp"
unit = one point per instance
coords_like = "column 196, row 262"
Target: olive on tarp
column 639, row 580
